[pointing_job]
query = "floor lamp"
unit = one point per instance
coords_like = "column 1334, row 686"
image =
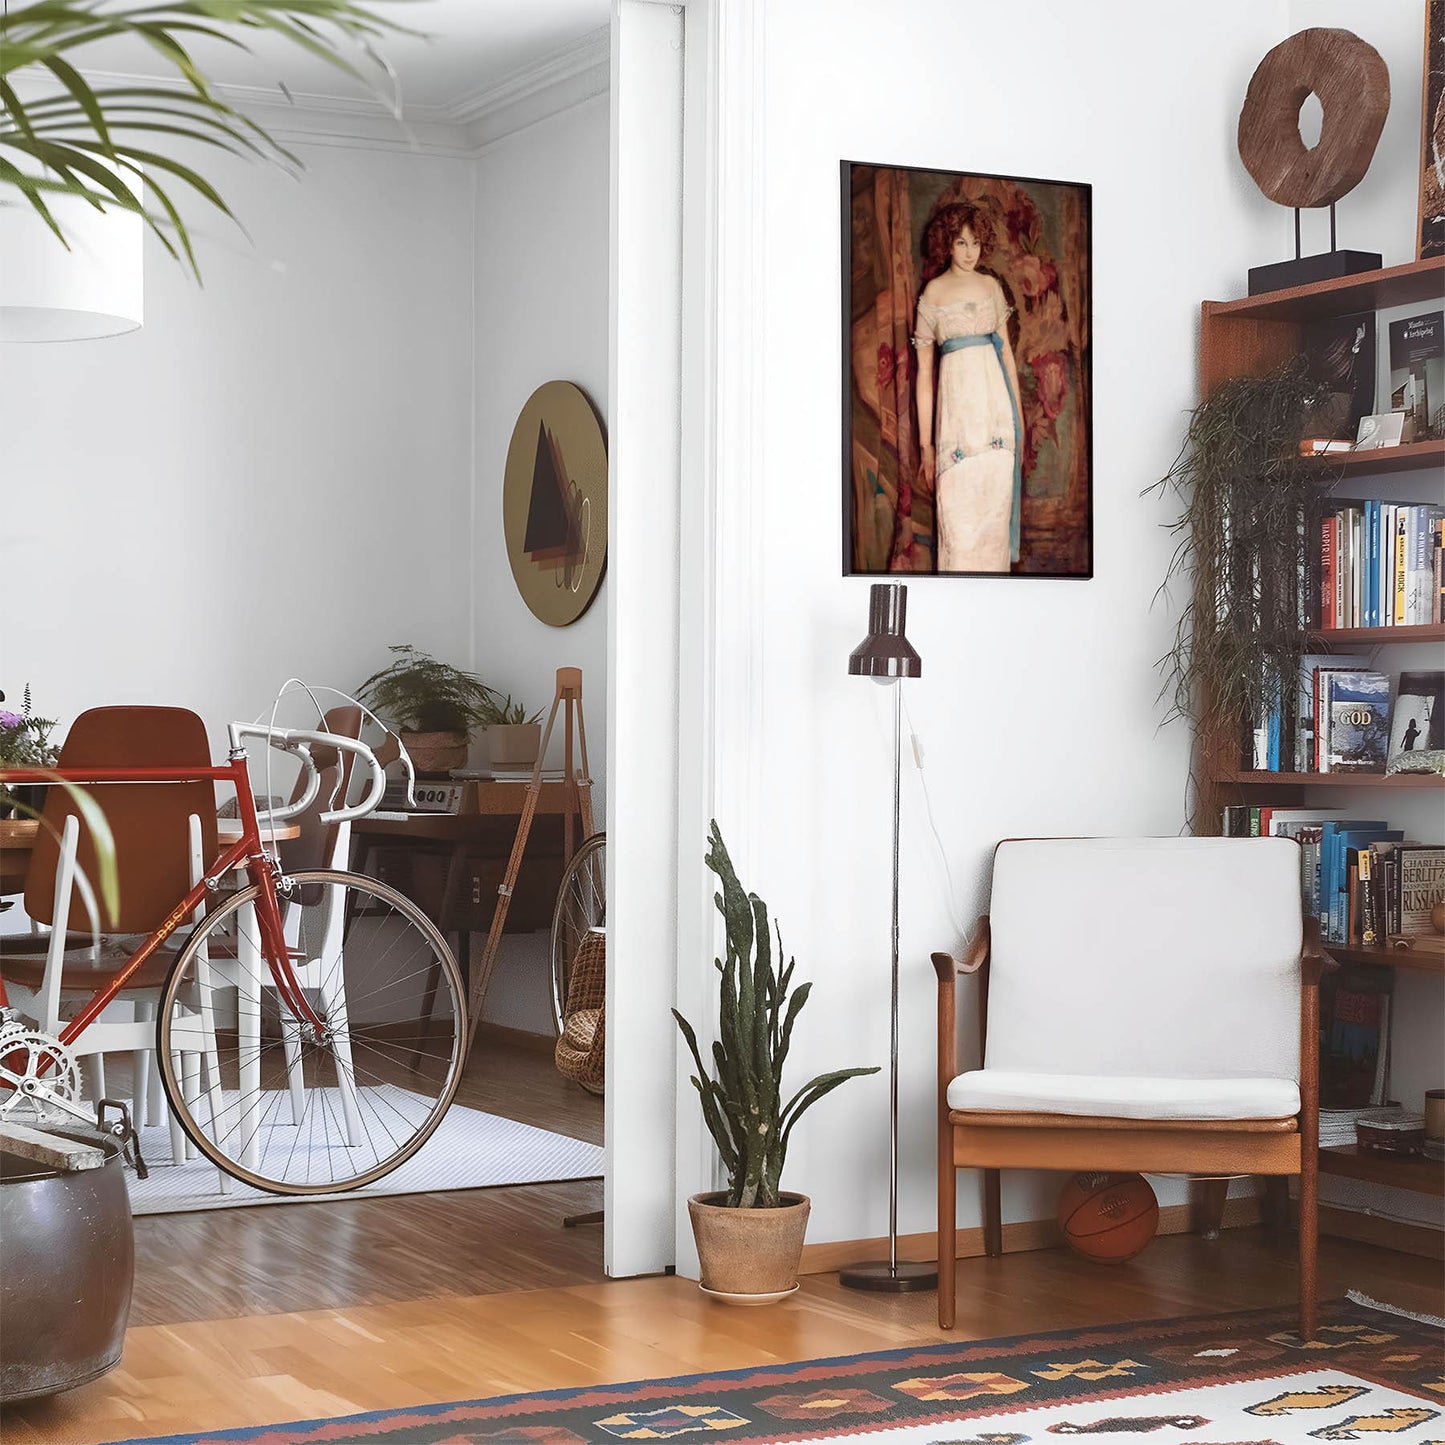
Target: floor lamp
column 886, row 656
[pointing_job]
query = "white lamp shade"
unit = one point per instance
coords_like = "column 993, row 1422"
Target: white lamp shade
column 48, row 293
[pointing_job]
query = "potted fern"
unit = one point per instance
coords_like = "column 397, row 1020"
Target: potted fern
column 750, row 1236
column 434, row 704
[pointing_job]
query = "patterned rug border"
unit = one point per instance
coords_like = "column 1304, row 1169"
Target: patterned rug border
column 961, row 1352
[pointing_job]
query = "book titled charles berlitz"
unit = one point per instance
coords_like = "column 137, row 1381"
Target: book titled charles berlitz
column 1358, row 713
column 1421, row 884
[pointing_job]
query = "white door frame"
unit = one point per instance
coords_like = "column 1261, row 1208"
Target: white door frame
column 685, row 598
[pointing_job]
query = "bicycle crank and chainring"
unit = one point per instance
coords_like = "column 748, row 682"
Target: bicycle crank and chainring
column 38, row 1074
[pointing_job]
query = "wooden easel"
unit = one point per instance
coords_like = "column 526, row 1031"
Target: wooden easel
column 578, row 783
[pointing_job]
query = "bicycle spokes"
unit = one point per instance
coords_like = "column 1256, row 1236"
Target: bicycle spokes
column 331, row 1085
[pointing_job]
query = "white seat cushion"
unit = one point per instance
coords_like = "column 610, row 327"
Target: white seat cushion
column 1118, row 1097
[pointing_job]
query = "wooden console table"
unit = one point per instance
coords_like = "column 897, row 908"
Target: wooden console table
column 451, row 864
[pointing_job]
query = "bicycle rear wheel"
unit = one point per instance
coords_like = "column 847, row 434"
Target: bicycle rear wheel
column 276, row 1103
column 581, row 905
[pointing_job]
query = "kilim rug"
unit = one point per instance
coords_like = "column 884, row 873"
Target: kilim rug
column 1236, row 1379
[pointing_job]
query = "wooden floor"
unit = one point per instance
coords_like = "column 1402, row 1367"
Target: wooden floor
column 266, row 1369
column 224, row 1263
column 257, row 1316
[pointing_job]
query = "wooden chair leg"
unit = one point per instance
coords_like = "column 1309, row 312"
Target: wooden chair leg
column 992, row 1214
column 1308, row 1243
column 1276, row 1205
column 1206, row 1198
column 947, row 1217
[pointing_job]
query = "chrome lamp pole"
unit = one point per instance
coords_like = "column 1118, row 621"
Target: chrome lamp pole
column 886, row 656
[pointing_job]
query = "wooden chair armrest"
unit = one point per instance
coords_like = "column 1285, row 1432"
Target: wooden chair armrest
column 1313, row 961
column 974, row 958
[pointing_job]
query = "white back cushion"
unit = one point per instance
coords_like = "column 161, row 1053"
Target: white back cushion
column 1169, row 957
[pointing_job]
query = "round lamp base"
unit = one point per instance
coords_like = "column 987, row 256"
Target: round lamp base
column 883, row 1278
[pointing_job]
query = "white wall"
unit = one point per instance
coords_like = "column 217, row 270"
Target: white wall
column 541, row 280
column 302, row 420
column 1037, row 707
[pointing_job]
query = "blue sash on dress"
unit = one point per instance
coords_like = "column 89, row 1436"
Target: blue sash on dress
column 992, row 338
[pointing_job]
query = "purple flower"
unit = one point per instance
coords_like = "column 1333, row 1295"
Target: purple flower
column 11, row 719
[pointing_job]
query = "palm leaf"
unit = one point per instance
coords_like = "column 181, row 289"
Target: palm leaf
column 66, row 134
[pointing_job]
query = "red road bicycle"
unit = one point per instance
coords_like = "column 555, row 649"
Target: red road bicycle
column 311, row 1030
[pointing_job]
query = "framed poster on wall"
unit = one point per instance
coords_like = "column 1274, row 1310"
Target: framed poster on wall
column 967, row 422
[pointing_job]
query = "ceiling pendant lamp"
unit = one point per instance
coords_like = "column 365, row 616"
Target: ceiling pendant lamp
column 49, row 293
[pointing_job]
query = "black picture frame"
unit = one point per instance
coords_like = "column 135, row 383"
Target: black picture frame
column 1038, row 247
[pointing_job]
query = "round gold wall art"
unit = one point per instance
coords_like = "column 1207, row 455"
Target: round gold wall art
column 554, row 503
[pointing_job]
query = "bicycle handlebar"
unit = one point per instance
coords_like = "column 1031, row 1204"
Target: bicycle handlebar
column 299, row 742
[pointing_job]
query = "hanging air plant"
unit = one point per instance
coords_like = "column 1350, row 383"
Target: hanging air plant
column 1242, row 543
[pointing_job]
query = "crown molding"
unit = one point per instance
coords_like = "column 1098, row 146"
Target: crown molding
column 579, row 61
column 568, row 77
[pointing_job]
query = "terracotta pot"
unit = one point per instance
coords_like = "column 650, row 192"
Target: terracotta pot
column 434, row 755
column 749, row 1252
column 513, row 745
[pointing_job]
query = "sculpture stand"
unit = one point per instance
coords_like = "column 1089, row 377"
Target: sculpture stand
column 1306, row 270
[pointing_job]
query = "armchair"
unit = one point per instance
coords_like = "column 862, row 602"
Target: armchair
column 1144, row 1004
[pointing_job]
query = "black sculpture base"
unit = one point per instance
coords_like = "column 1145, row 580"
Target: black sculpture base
column 902, row 1278
column 1306, row 270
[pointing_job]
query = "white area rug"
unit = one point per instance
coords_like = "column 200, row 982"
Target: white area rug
column 470, row 1150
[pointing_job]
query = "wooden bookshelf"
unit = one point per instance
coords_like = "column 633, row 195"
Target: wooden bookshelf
column 1400, row 1171
column 1422, row 961
column 1378, row 636
column 1248, row 779
column 1251, row 337
column 1415, row 281
column 1409, row 457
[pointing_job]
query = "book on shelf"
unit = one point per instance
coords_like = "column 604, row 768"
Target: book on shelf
column 1339, row 352
column 1355, row 1007
column 1354, row 720
column 1323, row 446
column 1419, row 885
column 1373, row 563
column 1417, row 369
column 1337, row 837
column 1337, row 1126
column 1305, row 757
column 1417, row 720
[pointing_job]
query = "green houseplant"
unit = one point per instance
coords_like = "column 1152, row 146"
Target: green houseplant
column 750, row 1237
column 1246, row 492
column 433, row 703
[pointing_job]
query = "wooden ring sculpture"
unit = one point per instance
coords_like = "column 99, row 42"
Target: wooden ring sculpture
column 1353, row 86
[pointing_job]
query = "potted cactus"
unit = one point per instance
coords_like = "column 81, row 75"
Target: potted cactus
column 750, row 1236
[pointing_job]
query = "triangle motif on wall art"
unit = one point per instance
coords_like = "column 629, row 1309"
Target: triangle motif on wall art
column 552, row 538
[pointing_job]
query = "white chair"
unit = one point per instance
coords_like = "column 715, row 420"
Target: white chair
column 1144, row 1004
column 163, row 836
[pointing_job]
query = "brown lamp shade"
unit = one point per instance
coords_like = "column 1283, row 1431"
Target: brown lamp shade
column 886, row 653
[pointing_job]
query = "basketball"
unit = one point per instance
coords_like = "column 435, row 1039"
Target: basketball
column 1108, row 1217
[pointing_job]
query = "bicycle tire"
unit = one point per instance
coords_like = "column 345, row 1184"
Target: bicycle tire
column 347, row 930
column 581, row 904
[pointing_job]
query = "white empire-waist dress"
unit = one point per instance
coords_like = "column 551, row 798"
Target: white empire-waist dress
column 976, row 434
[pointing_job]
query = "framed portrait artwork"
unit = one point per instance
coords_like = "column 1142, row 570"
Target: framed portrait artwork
column 1432, row 137
column 967, row 402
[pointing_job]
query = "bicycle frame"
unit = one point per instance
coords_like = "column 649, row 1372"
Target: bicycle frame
column 248, row 850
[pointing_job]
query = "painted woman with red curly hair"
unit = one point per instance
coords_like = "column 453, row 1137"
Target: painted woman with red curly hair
column 968, row 397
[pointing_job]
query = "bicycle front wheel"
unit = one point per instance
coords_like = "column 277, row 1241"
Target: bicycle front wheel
column 273, row 1100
